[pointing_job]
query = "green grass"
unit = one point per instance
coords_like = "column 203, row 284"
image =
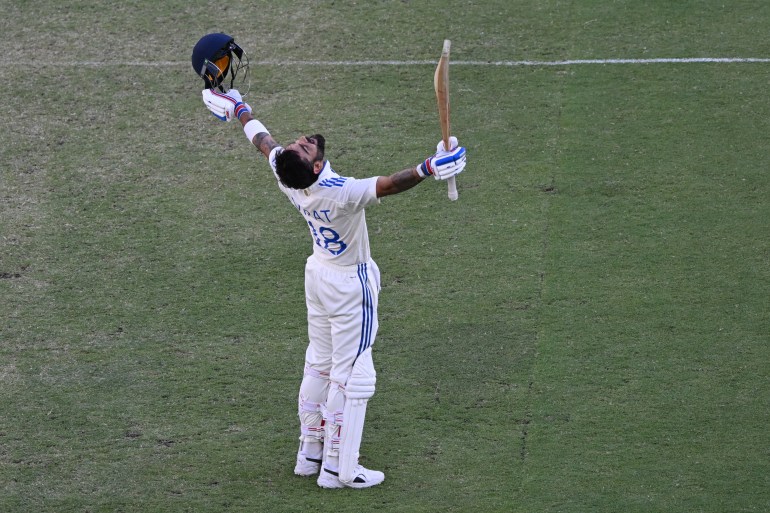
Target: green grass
column 585, row 330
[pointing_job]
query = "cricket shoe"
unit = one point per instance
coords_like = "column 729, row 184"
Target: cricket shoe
column 364, row 478
column 306, row 466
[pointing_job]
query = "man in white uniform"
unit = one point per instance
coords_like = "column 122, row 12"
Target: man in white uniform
column 342, row 283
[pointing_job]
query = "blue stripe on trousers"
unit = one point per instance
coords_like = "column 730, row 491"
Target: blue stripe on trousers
column 367, row 310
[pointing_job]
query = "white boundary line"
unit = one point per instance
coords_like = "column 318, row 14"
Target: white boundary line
column 686, row 60
column 370, row 63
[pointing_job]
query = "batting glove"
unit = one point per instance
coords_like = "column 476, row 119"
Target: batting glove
column 225, row 106
column 444, row 164
column 452, row 145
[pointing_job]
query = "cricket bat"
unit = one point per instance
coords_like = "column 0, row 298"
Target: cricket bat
column 441, row 85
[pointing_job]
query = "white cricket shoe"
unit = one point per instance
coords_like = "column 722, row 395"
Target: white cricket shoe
column 364, row 478
column 305, row 466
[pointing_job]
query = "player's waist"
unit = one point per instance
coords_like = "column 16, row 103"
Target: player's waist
column 337, row 265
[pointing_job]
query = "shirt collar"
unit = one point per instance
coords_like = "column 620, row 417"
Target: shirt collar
column 323, row 175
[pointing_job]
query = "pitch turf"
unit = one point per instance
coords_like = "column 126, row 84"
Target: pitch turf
column 585, row 330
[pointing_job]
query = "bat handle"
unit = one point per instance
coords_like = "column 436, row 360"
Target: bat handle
column 452, row 185
column 451, row 182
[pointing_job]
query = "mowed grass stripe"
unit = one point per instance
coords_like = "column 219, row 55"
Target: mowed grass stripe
column 651, row 385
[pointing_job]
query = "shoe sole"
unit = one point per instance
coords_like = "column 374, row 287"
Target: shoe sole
column 335, row 483
column 330, row 484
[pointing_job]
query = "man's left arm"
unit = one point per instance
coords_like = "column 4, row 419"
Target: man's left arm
column 442, row 166
column 398, row 182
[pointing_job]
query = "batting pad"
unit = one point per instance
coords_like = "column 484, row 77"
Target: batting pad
column 312, row 394
column 359, row 388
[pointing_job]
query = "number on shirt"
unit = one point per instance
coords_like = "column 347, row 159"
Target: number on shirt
column 325, row 237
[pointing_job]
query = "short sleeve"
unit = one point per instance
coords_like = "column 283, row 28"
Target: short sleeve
column 361, row 193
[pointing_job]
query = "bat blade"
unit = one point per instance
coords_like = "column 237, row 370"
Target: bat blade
column 441, row 86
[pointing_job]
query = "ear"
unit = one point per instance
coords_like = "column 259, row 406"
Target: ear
column 318, row 166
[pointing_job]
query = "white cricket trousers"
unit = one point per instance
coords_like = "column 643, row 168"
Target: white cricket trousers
column 341, row 315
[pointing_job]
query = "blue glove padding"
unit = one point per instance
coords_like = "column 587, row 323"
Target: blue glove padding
column 444, row 164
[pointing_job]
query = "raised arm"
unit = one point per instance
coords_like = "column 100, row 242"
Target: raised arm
column 230, row 105
column 259, row 135
column 442, row 166
column 398, row 182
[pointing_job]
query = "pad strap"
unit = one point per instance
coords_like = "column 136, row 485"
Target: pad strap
column 310, row 371
column 333, row 425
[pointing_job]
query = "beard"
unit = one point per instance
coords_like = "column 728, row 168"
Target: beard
column 320, row 142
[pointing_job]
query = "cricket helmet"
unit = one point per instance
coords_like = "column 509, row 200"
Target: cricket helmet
column 219, row 61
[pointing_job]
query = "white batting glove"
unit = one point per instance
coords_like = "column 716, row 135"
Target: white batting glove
column 225, row 106
column 444, row 164
column 452, row 144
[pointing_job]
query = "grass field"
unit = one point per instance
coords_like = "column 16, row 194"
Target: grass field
column 585, row 330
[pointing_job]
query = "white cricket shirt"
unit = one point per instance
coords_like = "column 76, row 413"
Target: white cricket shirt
column 334, row 210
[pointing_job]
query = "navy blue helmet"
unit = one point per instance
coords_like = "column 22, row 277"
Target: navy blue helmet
column 219, row 62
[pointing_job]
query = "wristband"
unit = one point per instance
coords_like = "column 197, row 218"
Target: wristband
column 253, row 128
column 425, row 170
column 240, row 108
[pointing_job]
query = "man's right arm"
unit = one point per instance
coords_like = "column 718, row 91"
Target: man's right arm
column 261, row 139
